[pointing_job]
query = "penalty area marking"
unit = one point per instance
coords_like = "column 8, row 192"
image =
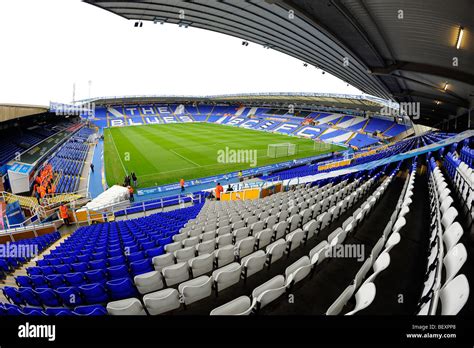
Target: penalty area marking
column 185, row 158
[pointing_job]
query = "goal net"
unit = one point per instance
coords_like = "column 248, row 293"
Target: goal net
column 282, row 150
column 321, row 146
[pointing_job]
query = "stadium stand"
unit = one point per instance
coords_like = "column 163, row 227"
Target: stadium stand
column 38, row 244
column 336, row 128
column 95, row 264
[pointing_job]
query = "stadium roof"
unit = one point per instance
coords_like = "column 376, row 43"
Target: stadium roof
column 365, row 103
column 13, row 111
column 392, row 49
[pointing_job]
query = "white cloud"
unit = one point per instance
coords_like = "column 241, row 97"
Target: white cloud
column 49, row 45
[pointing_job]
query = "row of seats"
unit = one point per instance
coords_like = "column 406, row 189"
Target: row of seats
column 71, row 296
column 462, row 177
column 97, row 263
column 379, row 259
column 120, row 238
column 9, row 263
column 467, row 156
column 443, row 286
column 12, row 309
column 241, row 260
column 302, row 268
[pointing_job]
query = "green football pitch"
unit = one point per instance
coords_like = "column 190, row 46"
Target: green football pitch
column 165, row 153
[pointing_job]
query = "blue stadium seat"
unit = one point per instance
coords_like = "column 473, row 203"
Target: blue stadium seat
column 90, row 310
column 29, row 297
column 121, row 288
column 95, row 276
column 74, row 279
column 47, row 297
column 55, row 280
column 13, row 295
column 116, row 261
column 120, row 271
column 70, row 296
column 140, row 267
column 94, row 293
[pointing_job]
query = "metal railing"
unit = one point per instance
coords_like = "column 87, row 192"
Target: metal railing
column 127, row 208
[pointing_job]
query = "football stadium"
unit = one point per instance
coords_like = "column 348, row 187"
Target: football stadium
column 253, row 204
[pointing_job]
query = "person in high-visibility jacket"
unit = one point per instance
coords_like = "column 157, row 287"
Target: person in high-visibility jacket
column 219, row 190
column 64, row 214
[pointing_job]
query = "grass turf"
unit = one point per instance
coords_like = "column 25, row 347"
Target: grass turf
column 161, row 154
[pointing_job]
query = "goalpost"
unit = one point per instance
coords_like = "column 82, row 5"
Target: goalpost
column 282, row 150
column 321, row 146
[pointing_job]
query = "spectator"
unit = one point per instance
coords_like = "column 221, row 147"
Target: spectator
column 63, row 213
column 135, row 180
column 130, row 191
column 92, row 167
column 211, row 196
column 219, row 190
column 229, row 188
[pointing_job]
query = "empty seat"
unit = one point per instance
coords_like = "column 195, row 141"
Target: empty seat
column 364, row 297
column 208, row 236
column 148, row 282
column 263, row 238
column 188, row 242
column 311, row 229
column 159, row 262
column 454, row 295
column 318, row 253
column 129, row 306
column 172, row 247
column 224, row 255
column 224, row 230
column 185, row 254
column 175, row 274
column 94, row 293
column 237, row 225
column 454, row 260
column 253, row 263
column 448, row 217
column 452, row 235
column 121, row 288
column 306, row 216
column 380, row 264
column 201, row 264
column 341, row 301
column 269, row 291
column 280, row 229
column 207, row 247
column 196, row 289
column 276, row 250
column 257, row 227
column 298, row 270
column 224, row 240
column 245, row 247
column 162, row 301
column 271, row 221
column 241, row 233
column 240, row 306
column 294, row 239
column 293, row 223
column 226, row 276
column 180, row 237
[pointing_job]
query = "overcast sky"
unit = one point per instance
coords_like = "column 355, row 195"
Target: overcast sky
column 48, row 45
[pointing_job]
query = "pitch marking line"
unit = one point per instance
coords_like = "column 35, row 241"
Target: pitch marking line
column 118, row 154
column 186, row 159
